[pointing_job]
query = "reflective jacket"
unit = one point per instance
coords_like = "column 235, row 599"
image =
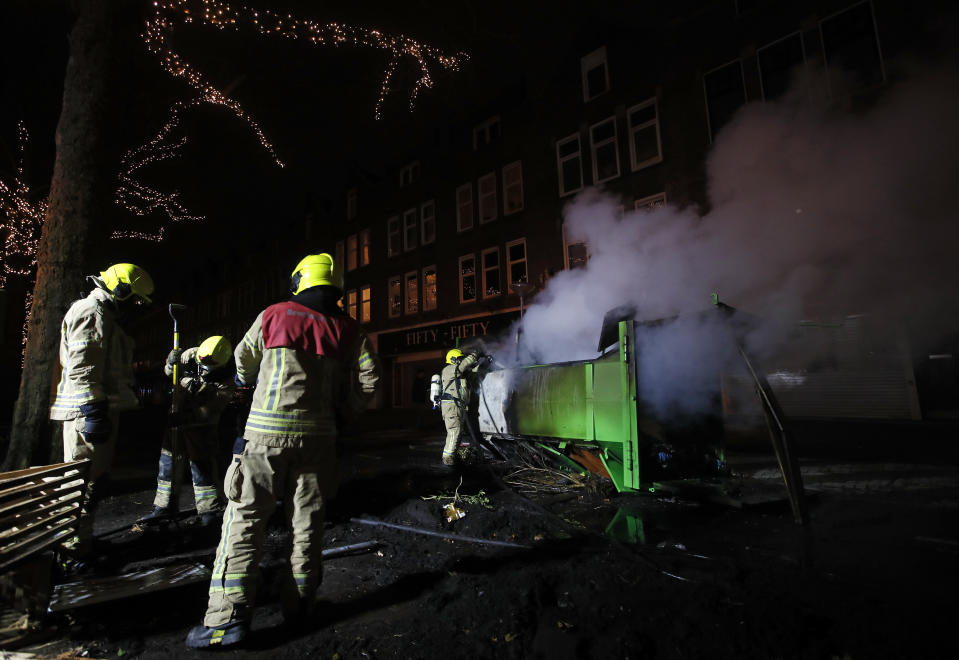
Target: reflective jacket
column 96, row 356
column 456, row 380
column 308, row 366
column 202, row 399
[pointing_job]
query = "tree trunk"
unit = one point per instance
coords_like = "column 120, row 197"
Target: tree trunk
column 79, row 192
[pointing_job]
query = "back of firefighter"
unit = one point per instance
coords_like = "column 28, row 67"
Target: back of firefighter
column 207, row 387
column 96, row 382
column 455, row 397
column 310, row 362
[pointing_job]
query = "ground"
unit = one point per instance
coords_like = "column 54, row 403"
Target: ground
column 663, row 574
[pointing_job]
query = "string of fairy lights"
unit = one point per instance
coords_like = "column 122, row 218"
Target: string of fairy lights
column 171, row 15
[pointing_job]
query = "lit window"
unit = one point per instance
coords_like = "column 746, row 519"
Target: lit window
column 850, row 45
column 569, row 164
column 645, row 148
column 395, row 288
column 513, row 188
column 409, row 229
column 780, row 64
column 595, row 74
column 429, row 288
column 602, row 138
column 467, row 267
column 409, row 173
column 412, row 293
column 351, row 303
column 365, row 247
column 491, row 277
column 365, row 304
column 650, row 203
column 393, row 239
column 575, row 253
column 516, row 261
column 464, row 207
column 486, row 132
column 725, row 94
column 351, row 204
column 428, row 222
column 486, row 187
column 352, row 252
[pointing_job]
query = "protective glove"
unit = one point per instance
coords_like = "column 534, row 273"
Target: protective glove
column 96, row 422
column 174, row 356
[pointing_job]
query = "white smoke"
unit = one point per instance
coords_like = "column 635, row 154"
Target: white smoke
column 815, row 213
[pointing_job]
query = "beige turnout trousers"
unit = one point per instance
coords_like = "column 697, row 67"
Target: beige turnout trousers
column 76, row 448
column 303, row 478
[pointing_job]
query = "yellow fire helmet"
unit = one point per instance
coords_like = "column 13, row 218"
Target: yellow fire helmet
column 125, row 280
column 316, row 270
column 453, row 354
column 215, row 351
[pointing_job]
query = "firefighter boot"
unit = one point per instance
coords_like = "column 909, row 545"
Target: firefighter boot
column 229, row 634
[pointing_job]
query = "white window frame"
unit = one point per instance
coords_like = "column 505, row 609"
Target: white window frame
column 366, row 303
column 409, row 229
column 351, row 306
column 459, row 270
column 483, row 130
column 759, row 59
column 491, row 192
column 461, row 225
column 389, row 296
column 352, row 252
column 646, row 202
column 393, row 230
column 427, row 219
column 508, row 169
column 499, row 268
column 875, row 29
column 632, row 130
column 352, row 198
column 566, row 245
column 742, row 74
column 435, row 301
column 596, row 146
column 589, row 62
column 409, row 173
column 365, row 247
column 407, row 308
column 560, row 160
column 510, row 262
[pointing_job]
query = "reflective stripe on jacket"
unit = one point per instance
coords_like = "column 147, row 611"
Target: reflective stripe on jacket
column 307, row 366
column 456, row 381
column 96, row 356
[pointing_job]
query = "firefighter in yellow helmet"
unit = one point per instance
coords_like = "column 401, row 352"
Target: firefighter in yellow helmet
column 96, row 381
column 456, row 390
column 207, row 383
column 311, row 362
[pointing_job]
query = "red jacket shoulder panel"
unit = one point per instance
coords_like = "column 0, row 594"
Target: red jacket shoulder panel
column 291, row 325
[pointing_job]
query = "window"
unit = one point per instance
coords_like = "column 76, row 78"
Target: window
column 464, row 207
column 395, row 292
column 467, row 267
column 595, row 74
column 516, row 261
column 779, row 62
column 486, row 189
column 352, row 252
column 645, row 148
column 412, row 304
column 393, row 246
column 365, row 247
column 351, row 303
column 513, row 188
column 429, row 288
column 575, row 253
column 409, row 229
column 650, row 203
column 725, row 93
column 491, row 282
column 602, row 138
column 340, row 254
column 365, row 304
column 569, row 164
column 351, row 202
column 850, row 46
column 428, row 222
column 486, row 132
column 409, row 173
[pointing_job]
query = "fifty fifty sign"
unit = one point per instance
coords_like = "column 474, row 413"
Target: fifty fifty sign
column 442, row 335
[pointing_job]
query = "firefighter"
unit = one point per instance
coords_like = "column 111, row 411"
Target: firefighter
column 455, row 397
column 310, row 362
column 96, row 383
column 207, row 382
